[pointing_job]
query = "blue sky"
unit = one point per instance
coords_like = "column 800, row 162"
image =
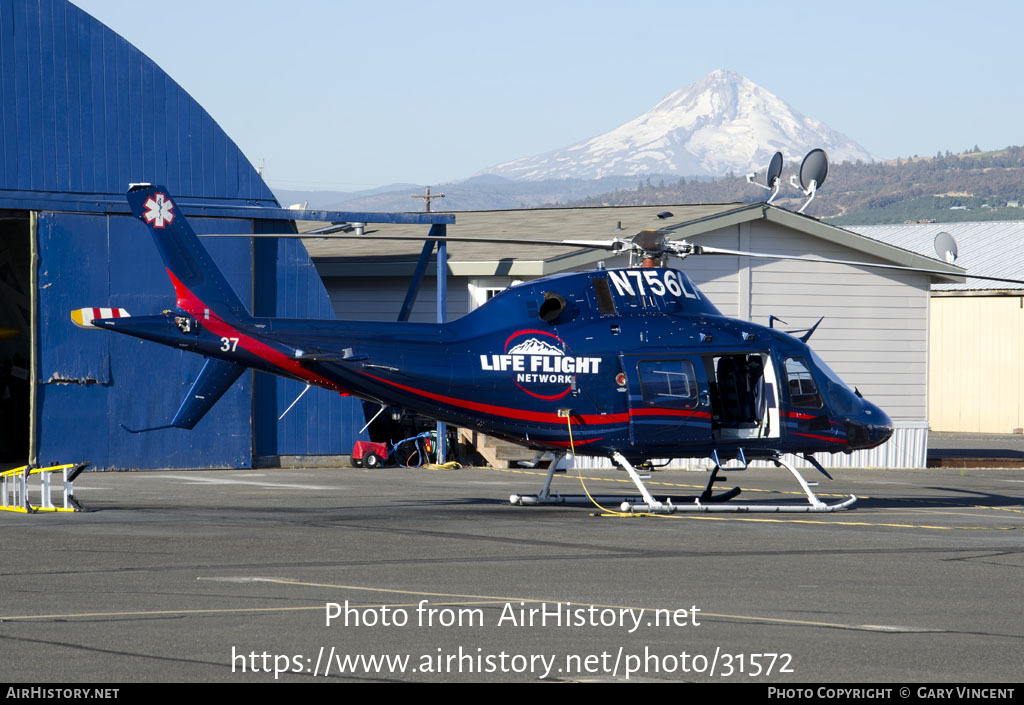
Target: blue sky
column 348, row 95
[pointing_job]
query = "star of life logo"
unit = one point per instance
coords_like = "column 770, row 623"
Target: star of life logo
column 540, row 365
column 159, row 210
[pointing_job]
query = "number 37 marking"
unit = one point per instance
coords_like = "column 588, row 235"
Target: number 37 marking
column 228, row 344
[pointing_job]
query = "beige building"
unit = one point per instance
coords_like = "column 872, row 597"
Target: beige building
column 977, row 327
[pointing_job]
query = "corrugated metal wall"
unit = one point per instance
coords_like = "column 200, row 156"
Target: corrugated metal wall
column 83, row 111
column 91, row 382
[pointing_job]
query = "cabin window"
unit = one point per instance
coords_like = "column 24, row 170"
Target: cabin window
column 803, row 392
column 668, row 383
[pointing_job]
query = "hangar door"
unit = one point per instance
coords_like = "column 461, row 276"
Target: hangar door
column 91, row 382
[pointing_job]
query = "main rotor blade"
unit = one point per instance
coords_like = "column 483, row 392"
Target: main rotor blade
column 701, row 250
column 612, row 245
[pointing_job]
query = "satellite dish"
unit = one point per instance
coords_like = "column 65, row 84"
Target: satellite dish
column 774, row 170
column 772, row 178
column 945, row 247
column 814, row 169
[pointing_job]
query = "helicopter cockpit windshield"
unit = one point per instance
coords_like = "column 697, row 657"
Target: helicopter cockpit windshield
column 840, row 396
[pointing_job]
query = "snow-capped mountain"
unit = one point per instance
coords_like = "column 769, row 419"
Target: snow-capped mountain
column 721, row 123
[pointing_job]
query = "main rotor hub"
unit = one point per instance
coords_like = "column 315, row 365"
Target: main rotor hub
column 652, row 248
column 649, row 249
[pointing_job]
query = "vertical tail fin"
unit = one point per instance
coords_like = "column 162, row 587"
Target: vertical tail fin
column 200, row 286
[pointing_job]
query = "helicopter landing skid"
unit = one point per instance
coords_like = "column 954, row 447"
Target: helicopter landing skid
column 653, row 506
column 706, row 502
column 545, row 496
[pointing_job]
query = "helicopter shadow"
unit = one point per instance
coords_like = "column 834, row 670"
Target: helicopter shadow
column 951, row 497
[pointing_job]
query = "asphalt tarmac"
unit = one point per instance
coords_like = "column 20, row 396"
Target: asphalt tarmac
column 234, row 576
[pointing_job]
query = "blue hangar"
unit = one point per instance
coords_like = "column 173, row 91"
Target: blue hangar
column 83, row 114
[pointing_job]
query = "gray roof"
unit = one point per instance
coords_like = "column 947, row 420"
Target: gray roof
column 990, row 248
column 350, row 255
column 477, row 259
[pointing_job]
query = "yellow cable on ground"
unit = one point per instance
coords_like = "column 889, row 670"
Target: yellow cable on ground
column 572, row 449
column 452, row 465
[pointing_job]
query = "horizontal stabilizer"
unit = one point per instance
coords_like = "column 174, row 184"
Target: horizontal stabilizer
column 84, row 317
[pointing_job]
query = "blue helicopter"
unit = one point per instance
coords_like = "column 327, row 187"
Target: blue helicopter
column 631, row 364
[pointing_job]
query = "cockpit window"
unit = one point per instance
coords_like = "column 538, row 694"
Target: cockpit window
column 803, row 392
column 669, row 383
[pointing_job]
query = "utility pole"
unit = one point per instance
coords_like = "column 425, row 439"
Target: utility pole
column 427, row 196
column 442, row 305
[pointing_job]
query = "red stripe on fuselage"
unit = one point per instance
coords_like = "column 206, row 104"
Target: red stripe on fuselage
column 218, row 326
column 507, row 412
column 541, row 416
column 567, row 444
column 820, row 438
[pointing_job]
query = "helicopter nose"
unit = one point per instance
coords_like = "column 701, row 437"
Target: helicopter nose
column 871, row 428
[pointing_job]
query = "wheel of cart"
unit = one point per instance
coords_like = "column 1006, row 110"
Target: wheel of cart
column 366, row 454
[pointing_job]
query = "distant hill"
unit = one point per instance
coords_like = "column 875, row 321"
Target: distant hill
column 477, row 193
column 948, row 187
column 969, row 186
column 334, row 200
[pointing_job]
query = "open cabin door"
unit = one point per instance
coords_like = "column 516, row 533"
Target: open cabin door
column 669, row 399
column 744, row 402
column 679, row 399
